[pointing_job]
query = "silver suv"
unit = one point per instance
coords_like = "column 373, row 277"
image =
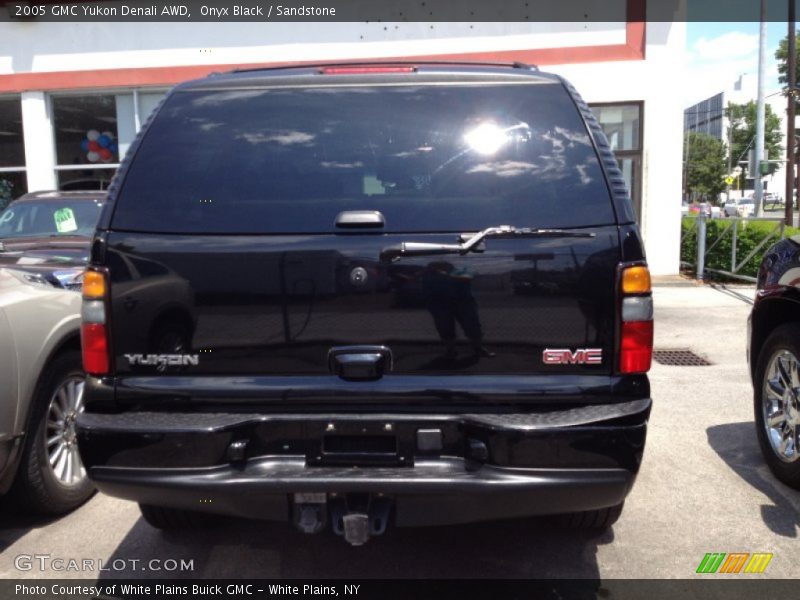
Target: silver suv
column 40, row 359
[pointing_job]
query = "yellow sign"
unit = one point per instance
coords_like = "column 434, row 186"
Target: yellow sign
column 729, row 180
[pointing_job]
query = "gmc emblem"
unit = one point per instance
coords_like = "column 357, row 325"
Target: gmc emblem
column 565, row 356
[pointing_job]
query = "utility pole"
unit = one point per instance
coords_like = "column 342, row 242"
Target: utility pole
column 686, row 164
column 759, row 150
column 790, row 155
column 727, row 113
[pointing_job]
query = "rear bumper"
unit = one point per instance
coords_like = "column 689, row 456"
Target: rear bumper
column 488, row 467
column 434, row 492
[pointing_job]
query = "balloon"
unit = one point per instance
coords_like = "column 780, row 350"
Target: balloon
column 104, row 140
column 94, row 147
column 109, row 135
column 85, row 145
column 113, row 147
column 105, row 154
column 92, row 134
column 93, row 157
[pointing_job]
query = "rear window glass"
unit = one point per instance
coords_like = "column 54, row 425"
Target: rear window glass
column 429, row 157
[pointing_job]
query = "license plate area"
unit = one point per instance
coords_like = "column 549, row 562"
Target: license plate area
column 361, row 444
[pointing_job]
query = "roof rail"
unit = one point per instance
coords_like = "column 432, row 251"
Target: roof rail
column 423, row 62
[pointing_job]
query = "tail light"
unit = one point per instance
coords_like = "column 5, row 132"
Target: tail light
column 94, row 326
column 636, row 315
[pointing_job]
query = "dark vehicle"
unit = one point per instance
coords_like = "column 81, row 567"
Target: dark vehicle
column 50, row 226
column 773, row 354
column 346, row 248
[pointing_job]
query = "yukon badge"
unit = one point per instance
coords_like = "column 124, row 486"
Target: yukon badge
column 565, row 356
column 163, row 360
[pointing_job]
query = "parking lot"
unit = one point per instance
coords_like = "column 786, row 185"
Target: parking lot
column 703, row 488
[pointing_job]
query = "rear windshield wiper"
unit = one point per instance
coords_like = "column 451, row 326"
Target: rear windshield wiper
column 473, row 243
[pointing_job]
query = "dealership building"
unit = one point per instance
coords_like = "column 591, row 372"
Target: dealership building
column 73, row 95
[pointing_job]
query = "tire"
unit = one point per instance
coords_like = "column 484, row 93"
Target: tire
column 63, row 486
column 171, row 519
column 592, row 520
column 784, row 344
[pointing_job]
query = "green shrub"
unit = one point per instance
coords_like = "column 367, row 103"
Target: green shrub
column 749, row 235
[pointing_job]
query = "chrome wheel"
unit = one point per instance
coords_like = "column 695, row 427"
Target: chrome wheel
column 780, row 405
column 61, row 441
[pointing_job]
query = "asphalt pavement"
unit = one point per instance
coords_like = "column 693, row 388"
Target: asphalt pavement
column 703, row 488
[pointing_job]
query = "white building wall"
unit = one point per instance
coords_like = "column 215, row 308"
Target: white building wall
column 42, row 46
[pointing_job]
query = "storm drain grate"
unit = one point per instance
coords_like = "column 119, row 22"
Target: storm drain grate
column 679, row 358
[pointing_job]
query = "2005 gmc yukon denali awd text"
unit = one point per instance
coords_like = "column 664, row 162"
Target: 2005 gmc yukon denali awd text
column 360, row 294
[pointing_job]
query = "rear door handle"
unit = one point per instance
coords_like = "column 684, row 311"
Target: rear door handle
column 360, row 362
column 358, row 219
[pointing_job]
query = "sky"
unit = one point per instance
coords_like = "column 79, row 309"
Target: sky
column 717, row 53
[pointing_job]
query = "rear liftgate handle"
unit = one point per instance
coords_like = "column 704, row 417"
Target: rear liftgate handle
column 360, row 362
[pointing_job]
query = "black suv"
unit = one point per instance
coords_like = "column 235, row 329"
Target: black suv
column 774, row 357
column 363, row 294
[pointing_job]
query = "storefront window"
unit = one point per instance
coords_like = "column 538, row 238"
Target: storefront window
column 622, row 124
column 93, row 132
column 85, row 179
column 12, row 150
column 85, row 130
column 147, row 103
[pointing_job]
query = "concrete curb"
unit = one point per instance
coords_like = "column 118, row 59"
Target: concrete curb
column 674, row 281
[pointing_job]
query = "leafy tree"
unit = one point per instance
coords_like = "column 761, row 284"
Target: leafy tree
column 743, row 123
column 782, row 56
column 706, row 165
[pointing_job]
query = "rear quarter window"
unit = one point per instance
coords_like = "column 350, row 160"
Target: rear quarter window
column 430, row 157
